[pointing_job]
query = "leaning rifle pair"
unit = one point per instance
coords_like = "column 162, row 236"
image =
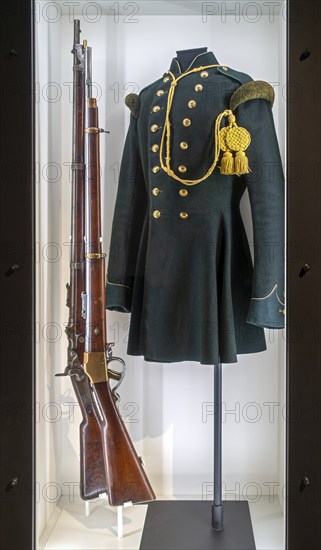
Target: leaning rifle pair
column 108, row 460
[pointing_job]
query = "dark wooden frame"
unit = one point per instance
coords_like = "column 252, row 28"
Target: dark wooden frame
column 17, row 311
column 303, row 517
column 17, row 277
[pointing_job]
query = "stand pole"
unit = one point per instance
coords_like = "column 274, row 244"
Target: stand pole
column 185, row 524
column 217, row 507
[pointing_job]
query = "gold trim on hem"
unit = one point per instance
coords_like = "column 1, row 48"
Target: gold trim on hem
column 268, row 295
column 117, row 284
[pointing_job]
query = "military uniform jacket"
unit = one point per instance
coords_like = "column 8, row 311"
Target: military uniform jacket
column 180, row 259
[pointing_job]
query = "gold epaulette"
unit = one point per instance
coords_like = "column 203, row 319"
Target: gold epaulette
column 255, row 89
column 132, row 102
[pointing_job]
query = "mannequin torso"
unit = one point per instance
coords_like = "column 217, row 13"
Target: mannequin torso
column 185, row 57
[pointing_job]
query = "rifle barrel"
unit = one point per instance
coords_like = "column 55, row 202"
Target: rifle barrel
column 89, row 71
column 77, row 31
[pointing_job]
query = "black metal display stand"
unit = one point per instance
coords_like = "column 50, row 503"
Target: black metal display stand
column 201, row 525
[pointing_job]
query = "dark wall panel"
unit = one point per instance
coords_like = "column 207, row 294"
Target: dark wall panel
column 16, row 276
column 303, row 292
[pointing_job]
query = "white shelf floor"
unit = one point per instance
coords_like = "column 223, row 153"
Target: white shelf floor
column 72, row 530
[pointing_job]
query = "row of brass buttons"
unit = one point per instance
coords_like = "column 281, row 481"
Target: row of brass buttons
column 157, row 214
column 186, row 122
column 156, row 191
column 191, row 104
column 183, row 145
column 182, row 169
column 204, row 74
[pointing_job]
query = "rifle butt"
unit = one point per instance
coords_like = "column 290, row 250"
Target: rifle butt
column 92, row 469
column 126, row 477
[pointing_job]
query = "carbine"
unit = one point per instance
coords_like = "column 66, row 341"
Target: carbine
column 108, row 460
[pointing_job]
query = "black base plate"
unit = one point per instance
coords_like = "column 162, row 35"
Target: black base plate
column 181, row 525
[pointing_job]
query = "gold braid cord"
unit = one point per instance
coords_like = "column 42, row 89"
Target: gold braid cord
column 228, row 139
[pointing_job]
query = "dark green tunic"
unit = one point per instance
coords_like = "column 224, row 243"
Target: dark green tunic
column 180, row 262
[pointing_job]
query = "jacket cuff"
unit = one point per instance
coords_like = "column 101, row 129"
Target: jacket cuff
column 267, row 311
column 118, row 297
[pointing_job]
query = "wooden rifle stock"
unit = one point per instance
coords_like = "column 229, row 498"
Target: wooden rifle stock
column 126, row 478
column 93, row 480
column 127, row 481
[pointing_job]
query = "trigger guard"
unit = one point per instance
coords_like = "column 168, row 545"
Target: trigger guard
column 122, row 373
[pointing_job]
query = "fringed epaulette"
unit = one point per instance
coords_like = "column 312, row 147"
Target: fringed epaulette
column 255, row 89
column 132, row 102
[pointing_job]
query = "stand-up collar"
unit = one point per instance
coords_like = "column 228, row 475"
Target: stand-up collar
column 200, row 60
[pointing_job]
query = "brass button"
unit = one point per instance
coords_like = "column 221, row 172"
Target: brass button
column 156, row 214
column 155, row 148
column 155, row 169
column 183, row 145
column 183, row 192
column 192, row 104
column 166, row 79
column 198, row 88
column 183, row 215
column 204, row 74
column 160, row 92
column 187, row 122
column 156, row 109
column 182, row 169
column 156, row 191
column 154, row 128
column 225, row 68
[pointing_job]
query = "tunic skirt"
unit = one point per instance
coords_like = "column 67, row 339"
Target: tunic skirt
column 179, row 259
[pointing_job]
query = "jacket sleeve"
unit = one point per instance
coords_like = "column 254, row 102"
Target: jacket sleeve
column 265, row 185
column 127, row 225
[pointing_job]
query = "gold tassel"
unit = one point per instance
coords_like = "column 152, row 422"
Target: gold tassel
column 233, row 139
column 241, row 163
column 227, row 163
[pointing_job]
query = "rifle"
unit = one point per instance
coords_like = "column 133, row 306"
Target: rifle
column 108, row 460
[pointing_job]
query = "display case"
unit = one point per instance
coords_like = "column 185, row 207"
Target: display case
column 168, row 408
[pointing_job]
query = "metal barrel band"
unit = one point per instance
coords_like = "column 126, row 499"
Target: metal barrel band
column 95, row 255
